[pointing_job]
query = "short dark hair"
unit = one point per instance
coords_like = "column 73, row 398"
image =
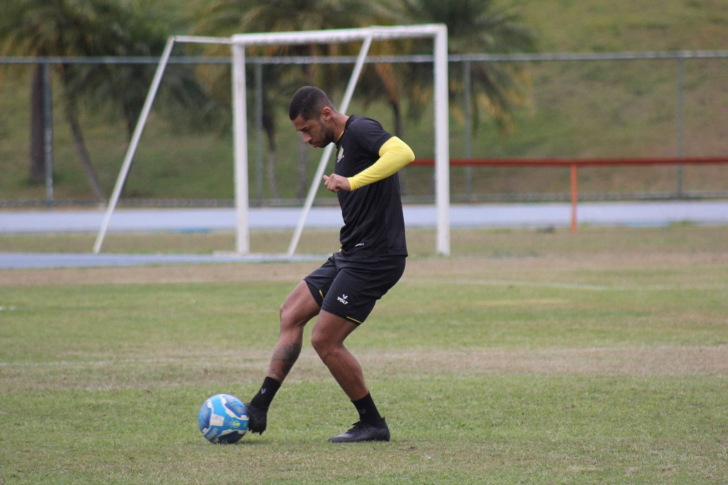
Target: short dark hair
column 308, row 103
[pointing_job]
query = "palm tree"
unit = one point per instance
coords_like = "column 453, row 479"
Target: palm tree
column 226, row 17
column 475, row 26
column 90, row 28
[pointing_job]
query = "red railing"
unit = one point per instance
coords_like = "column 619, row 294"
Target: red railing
column 573, row 164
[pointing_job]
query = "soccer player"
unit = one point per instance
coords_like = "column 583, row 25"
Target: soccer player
column 343, row 291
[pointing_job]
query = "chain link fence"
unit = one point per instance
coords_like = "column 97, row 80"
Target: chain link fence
column 603, row 105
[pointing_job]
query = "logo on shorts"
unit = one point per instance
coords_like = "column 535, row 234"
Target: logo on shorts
column 343, row 298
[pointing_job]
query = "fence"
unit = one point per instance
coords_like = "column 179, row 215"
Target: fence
column 573, row 167
column 615, row 106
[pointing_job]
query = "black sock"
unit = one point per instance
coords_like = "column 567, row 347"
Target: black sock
column 368, row 412
column 266, row 394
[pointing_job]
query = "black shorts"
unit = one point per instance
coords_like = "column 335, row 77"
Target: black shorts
column 349, row 289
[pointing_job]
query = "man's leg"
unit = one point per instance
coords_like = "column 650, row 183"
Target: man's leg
column 297, row 310
column 328, row 341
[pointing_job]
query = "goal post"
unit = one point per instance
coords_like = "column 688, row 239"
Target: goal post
column 329, row 149
column 238, row 43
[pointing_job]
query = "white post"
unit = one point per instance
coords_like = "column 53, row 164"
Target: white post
column 240, row 136
column 327, row 151
column 133, row 144
column 442, row 142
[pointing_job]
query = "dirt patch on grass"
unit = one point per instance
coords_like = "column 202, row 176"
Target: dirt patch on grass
column 595, row 361
column 199, row 273
column 247, row 368
column 480, row 265
column 428, row 269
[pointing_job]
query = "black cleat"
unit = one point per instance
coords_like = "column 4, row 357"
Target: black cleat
column 257, row 419
column 363, row 432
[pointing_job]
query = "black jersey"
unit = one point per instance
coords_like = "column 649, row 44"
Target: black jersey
column 373, row 219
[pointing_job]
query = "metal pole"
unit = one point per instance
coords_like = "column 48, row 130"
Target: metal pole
column 259, row 132
column 467, row 81
column 442, row 142
column 329, row 148
column 680, row 89
column 574, row 198
column 133, row 144
column 240, row 132
column 48, row 134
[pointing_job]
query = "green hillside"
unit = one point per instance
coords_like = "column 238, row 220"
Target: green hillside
column 586, row 109
column 613, row 26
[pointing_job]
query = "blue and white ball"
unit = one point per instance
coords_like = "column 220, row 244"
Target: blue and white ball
column 223, row 419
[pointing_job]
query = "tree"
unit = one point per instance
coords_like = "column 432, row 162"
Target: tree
column 474, row 26
column 227, row 17
column 91, row 28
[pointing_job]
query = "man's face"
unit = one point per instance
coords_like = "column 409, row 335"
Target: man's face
column 317, row 132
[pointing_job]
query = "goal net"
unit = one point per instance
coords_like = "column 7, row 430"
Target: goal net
column 238, row 44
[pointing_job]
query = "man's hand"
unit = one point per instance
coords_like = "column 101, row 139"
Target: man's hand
column 336, row 183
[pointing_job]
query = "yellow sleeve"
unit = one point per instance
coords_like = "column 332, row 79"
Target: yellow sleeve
column 393, row 156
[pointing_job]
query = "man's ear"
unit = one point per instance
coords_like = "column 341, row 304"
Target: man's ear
column 326, row 113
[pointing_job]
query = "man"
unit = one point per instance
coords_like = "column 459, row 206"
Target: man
column 344, row 290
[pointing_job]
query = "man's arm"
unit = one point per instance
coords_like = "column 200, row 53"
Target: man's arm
column 393, row 156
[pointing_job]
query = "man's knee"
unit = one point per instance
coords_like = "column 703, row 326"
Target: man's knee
column 318, row 342
column 322, row 344
column 298, row 309
column 291, row 316
column 284, row 313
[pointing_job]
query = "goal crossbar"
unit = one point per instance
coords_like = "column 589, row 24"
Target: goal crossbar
column 334, row 36
column 238, row 43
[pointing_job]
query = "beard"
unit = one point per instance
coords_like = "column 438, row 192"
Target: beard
column 327, row 134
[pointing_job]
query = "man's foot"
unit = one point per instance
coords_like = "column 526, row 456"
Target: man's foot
column 257, row 419
column 363, row 432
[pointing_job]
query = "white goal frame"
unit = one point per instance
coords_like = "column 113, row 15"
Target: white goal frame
column 238, row 43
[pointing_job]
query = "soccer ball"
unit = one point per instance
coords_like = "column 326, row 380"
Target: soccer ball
column 223, row 419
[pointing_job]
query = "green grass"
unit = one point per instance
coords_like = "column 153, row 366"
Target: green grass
column 527, row 357
column 495, row 243
column 586, row 26
column 502, row 430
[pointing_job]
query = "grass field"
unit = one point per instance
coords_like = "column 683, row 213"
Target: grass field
column 527, row 357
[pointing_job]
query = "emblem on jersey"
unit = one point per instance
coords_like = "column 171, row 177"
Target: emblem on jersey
column 340, row 155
